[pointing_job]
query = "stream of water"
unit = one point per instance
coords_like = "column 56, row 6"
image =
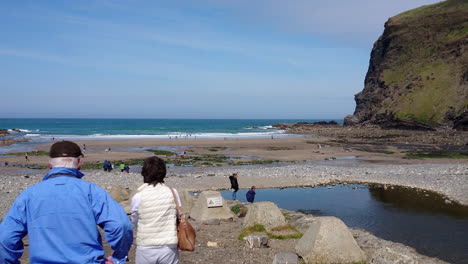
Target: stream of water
column 420, row 219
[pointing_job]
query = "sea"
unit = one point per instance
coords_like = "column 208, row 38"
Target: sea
column 40, row 130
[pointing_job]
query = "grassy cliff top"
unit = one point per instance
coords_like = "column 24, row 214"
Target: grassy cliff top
column 448, row 6
column 426, row 62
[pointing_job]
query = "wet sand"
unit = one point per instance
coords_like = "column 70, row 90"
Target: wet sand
column 278, row 149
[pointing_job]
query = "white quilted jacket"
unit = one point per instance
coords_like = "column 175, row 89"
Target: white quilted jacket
column 156, row 216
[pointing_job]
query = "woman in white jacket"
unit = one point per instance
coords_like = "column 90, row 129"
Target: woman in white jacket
column 154, row 216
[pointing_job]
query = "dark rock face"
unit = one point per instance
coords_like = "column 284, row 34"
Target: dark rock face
column 350, row 120
column 461, row 122
column 3, row 132
column 418, row 71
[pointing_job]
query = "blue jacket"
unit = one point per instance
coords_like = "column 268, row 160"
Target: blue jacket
column 250, row 195
column 60, row 215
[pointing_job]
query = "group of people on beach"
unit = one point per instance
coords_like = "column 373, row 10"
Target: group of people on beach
column 61, row 215
column 109, row 166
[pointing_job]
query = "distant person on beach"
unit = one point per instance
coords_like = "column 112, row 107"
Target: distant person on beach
column 105, row 165
column 122, row 167
column 61, row 215
column 26, row 156
column 234, row 185
column 127, row 169
column 250, row 195
column 154, row 216
column 84, row 148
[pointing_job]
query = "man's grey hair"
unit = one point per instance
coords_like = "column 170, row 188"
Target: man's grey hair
column 68, row 162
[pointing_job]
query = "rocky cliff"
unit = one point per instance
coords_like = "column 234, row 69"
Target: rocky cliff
column 418, row 71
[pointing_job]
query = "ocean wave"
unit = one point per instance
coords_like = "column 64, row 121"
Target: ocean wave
column 259, row 127
column 20, row 130
column 168, row 136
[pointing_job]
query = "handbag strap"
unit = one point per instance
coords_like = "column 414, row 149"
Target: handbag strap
column 179, row 212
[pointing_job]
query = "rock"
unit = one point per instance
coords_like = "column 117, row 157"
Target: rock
column 212, row 222
column 285, row 258
column 266, row 214
column 134, row 190
column 381, row 251
column 243, row 211
column 119, row 193
column 302, row 223
column 461, row 122
column 202, row 212
column 127, row 206
column 256, row 241
column 350, row 120
column 212, row 244
column 328, row 240
column 186, row 200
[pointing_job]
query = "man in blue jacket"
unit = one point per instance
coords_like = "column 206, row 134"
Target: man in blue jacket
column 61, row 216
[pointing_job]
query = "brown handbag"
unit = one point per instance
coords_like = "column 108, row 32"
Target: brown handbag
column 185, row 232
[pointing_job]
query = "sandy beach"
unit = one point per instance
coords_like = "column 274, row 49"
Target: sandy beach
column 294, row 149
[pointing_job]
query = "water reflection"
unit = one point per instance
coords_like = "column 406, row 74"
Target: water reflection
column 420, row 219
column 417, row 200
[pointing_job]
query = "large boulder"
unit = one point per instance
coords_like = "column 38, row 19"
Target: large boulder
column 266, row 214
column 118, row 193
column 328, row 240
column 186, row 200
column 201, row 210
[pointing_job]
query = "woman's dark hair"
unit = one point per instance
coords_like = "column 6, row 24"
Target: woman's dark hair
column 154, row 170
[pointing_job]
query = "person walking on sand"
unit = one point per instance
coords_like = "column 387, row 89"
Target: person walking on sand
column 154, row 216
column 234, row 185
column 61, row 215
column 26, row 156
column 122, row 167
column 250, row 195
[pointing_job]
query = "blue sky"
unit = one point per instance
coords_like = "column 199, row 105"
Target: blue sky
column 188, row 59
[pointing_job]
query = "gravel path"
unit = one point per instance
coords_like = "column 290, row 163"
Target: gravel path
column 450, row 180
